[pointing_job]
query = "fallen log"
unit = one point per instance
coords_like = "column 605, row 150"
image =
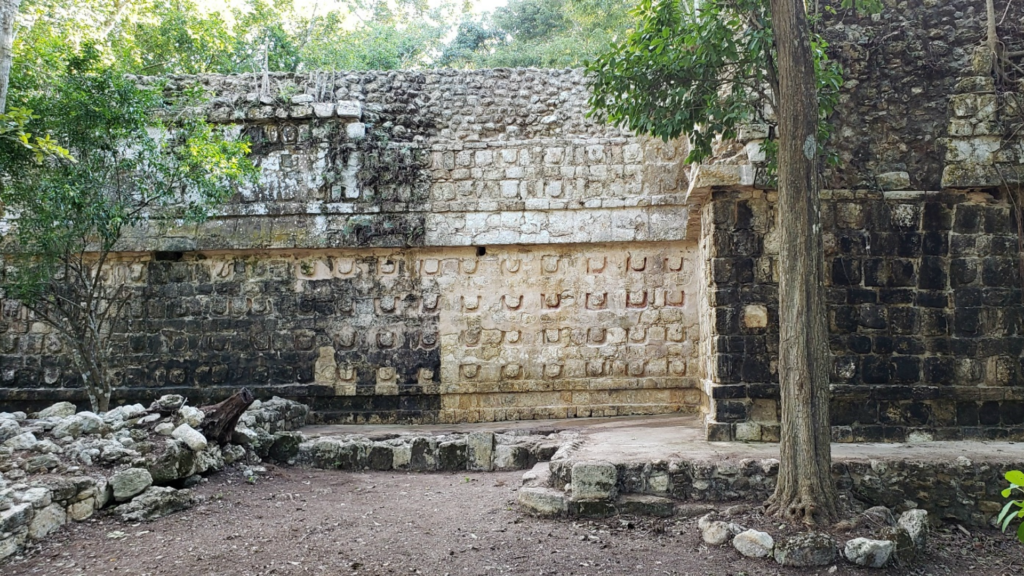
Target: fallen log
column 220, row 419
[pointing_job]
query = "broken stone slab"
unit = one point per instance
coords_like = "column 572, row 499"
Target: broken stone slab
column 130, row 482
column 754, row 544
column 645, row 505
column 191, row 437
column 867, row 552
column 58, row 410
column 593, row 481
column 543, row 501
column 806, row 550
column 156, row 502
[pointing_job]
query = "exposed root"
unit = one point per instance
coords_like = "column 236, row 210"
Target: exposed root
column 799, row 508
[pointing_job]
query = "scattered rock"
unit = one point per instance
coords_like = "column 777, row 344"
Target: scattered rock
column 83, row 423
column 58, row 410
column 176, row 462
column 191, row 415
column 716, row 533
column 915, row 522
column 9, row 428
column 23, row 441
column 156, row 502
column 164, row 429
column 128, row 483
column 804, row 550
column 867, row 552
column 167, row 404
column 878, row 516
column 189, row 435
column 754, row 544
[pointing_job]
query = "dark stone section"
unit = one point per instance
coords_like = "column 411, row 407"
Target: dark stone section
column 204, row 328
column 925, row 317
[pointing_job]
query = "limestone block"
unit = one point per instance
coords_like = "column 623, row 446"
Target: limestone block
column 302, row 99
column 754, row 544
column 15, row 518
column 867, row 552
column 127, row 483
column 46, row 521
column 542, row 501
column 38, row 497
column 755, row 316
column 355, row 130
column 82, row 510
column 323, row 109
column 893, row 180
column 480, row 450
column 59, row 410
column 806, row 550
column 349, row 109
column 915, row 522
column 594, row 481
column 191, row 437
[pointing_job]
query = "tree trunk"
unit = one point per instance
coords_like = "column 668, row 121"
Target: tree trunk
column 805, row 490
column 8, row 13
column 220, row 419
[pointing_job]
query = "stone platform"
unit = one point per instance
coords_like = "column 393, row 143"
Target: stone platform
column 658, row 463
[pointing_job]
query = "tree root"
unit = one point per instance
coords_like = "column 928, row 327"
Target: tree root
column 800, row 508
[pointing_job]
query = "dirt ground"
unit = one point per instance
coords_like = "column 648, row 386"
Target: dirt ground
column 321, row 522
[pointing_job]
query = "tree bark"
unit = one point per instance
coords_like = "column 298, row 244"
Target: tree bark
column 805, row 490
column 220, row 419
column 8, row 13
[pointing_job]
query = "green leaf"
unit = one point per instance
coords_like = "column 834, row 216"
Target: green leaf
column 1020, row 532
column 1015, row 477
column 1004, row 512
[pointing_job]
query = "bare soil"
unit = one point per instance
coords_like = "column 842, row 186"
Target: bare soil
column 297, row 521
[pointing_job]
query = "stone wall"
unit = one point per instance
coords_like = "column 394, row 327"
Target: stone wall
column 468, row 245
column 421, row 247
column 925, row 316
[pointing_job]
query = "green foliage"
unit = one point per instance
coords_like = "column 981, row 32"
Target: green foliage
column 541, row 33
column 701, row 71
column 129, row 170
column 156, row 37
column 13, row 128
column 1013, row 508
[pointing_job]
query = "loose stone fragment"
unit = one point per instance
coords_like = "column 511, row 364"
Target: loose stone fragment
column 716, row 533
column 754, row 544
column 804, row 550
column 915, row 522
column 867, row 552
column 189, row 435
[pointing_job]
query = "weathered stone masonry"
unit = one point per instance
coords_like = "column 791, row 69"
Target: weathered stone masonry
column 468, row 246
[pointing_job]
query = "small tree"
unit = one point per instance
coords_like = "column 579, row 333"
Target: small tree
column 701, row 69
column 67, row 217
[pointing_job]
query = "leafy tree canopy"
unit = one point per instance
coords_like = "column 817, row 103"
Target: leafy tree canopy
column 701, row 69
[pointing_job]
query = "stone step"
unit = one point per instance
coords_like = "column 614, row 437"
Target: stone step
column 539, row 476
column 543, row 501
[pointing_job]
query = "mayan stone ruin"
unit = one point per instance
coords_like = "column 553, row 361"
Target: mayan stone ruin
column 468, row 246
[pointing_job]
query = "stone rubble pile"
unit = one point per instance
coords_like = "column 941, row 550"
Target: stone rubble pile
column 60, row 465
